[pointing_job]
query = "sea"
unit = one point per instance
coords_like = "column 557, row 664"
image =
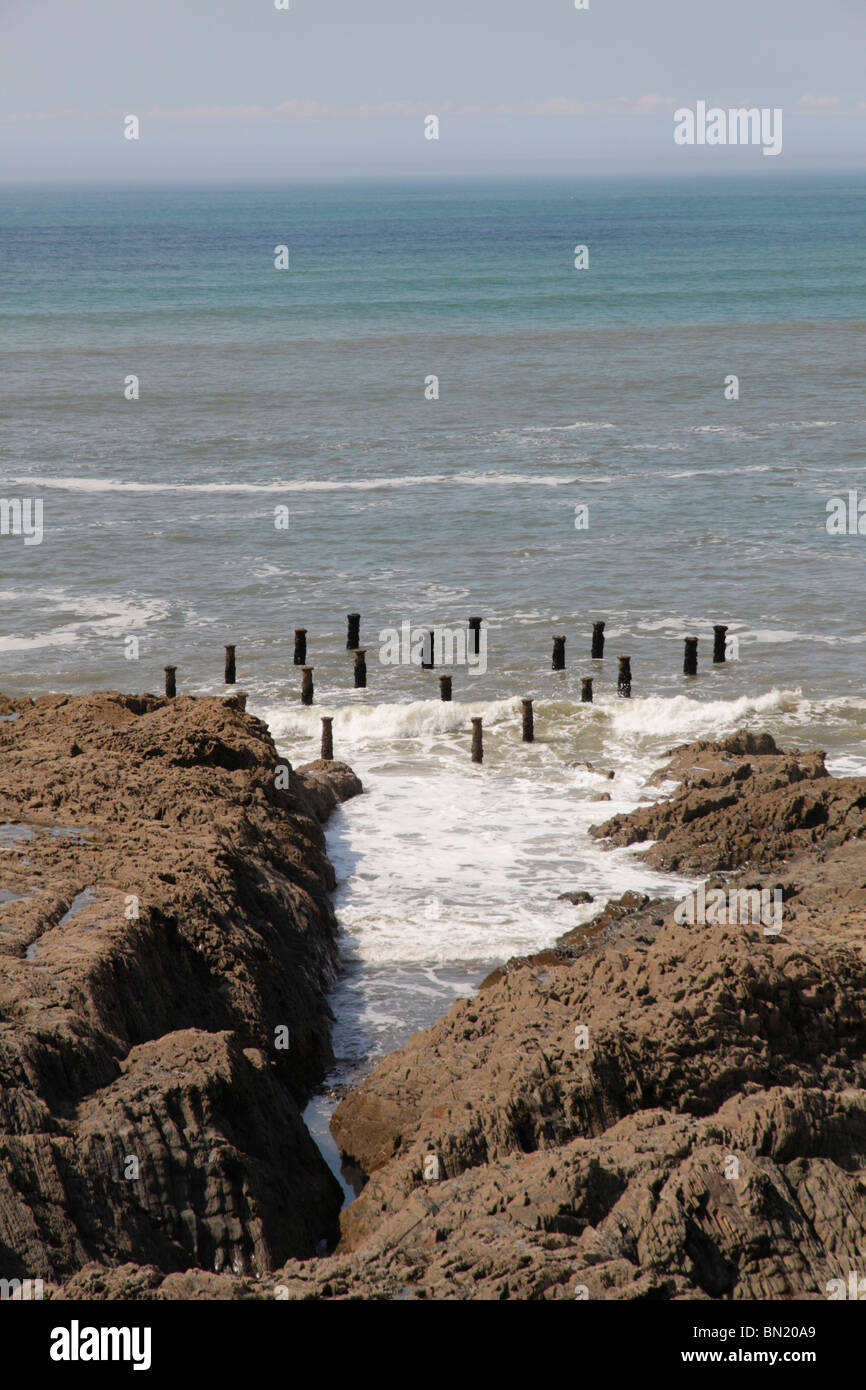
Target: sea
column 443, row 408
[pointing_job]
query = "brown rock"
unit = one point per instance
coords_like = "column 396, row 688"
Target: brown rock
column 170, row 915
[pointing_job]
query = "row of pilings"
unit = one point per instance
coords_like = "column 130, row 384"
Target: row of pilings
column 690, row 659
column 353, row 635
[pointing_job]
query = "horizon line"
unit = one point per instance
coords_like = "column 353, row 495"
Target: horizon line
column 157, row 179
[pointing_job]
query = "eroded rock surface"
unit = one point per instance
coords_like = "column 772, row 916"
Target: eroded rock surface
column 710, row 1049
column 654, row 1108
column 164, row 913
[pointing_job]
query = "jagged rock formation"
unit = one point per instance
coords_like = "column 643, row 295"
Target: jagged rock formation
column 704, row 1043
column 715, row 821
column 656, row 1107
column 164, row 913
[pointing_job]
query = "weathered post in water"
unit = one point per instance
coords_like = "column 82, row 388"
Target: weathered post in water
column 597, row 641
column 586, row 690
column 690, row 656
column 327, row 739
column 558, row 663
column 361, row 668
column 353, row 631
column 230, row 665
column 444, row 687
column 307, row 685
column 300, row 646
column 474, row 640
column 477, row 741
column 719, row 634
column 623, row 679
column 528, row 722
column 170, row 681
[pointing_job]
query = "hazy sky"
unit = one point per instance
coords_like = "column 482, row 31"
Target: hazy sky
column 225, row 88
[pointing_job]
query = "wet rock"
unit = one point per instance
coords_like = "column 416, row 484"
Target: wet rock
column 762, row 810
column 679, row 1108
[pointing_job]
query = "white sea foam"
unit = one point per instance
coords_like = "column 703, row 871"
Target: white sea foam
column 773, row 635
column 653, row 717
column 98, row 616
column 687, row 719
column 467, row 866
column 850, row 765
column 718, row 429
column 803, row 424
column 676, row 474
column 443, row 861
column 376, row 723
column 299, row 485
column 565, row 429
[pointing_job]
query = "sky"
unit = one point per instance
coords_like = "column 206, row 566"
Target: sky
column 229, row 89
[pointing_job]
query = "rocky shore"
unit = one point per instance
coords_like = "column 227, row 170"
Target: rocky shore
column 166, row 947
column 665, row 1104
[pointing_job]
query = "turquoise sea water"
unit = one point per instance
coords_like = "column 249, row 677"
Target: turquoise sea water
column 558, row 388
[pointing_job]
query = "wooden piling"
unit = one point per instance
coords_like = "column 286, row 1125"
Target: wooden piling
column 353, row 631
column 690, row 656
column 528, row 722
column 327, row 739
column 230, row 665
column 474, row 640
column 558, row 654
column 623, row 679
column 597, row 641
column 171, row 681
column 477, row 741
column 444, row 687
column 586, row 690
column 361, row 668
column 719, row 634
column 307, row 685
column 300, row 646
